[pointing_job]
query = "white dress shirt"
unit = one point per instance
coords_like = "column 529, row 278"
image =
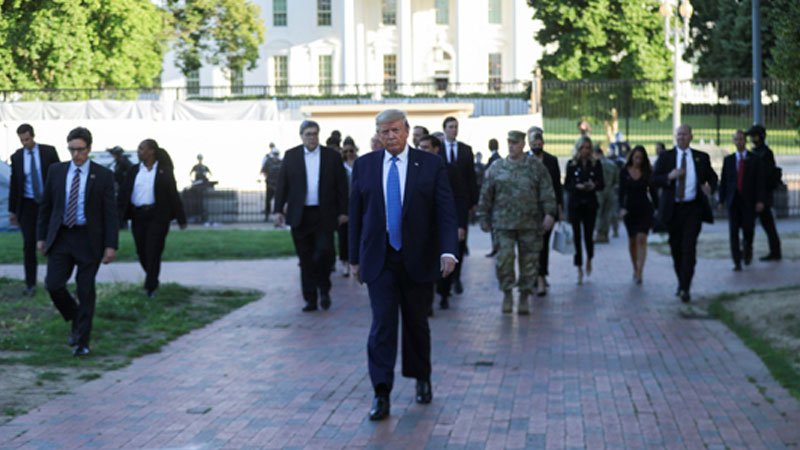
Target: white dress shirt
column 144, row 186
column 312, row 159
column 80, row 215
column 451, row 146
column 402, row 171
column 690, row 193
column 26, row 167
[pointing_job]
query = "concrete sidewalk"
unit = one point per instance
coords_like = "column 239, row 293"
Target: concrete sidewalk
column 605, row 365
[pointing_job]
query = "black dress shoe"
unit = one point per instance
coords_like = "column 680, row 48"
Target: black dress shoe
column 380, row 408
column 445, row 303
column 310, row 307
column 685, row 297
column 29, row 291
column 424, row 392
column 325, row 301
column 151, row 293
column 737, row 268
column 770, row 257
column 81, row 350
column 458, row 287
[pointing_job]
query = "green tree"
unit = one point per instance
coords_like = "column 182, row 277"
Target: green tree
column 606, row 40
column 785, row 63
column 61, row 44
column 225, row 33
column 722, row 38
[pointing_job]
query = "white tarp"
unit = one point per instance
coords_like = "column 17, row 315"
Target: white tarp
column 5, row 184
column 156, row 110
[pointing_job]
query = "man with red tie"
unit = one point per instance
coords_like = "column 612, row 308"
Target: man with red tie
column 741, row 191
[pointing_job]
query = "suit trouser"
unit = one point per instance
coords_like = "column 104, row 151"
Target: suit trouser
column 584, row 216
column 544, row 254
column 313, row 243
column 268, row 204
column 149, row 235
column 391, row 294
column 605, row 211
column 70, row 250
column 740, row 218
column 27, row 224
column 342, row 232
column 768, row 223
column 462, row 251
column 684, row 228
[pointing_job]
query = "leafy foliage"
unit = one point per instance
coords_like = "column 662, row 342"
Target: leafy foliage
column 605, row 40
column 785, row 63
column 224, row 33
column 80, row 43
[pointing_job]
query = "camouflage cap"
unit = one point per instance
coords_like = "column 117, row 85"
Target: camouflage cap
column 516, row 136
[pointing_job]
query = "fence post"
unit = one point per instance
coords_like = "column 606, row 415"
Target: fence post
column 718, row 112
column 628, row 99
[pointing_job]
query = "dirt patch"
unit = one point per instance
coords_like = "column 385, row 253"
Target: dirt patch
column 773, row 316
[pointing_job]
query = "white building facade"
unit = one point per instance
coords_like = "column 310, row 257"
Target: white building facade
column 319, row 47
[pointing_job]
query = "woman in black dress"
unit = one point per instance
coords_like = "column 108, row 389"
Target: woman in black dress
column 584, row 177
column 636, row 206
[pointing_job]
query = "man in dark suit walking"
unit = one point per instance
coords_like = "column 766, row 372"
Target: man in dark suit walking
column 687, row 179
column 536, row 142
column 312, row 199
column 29, row 168
column 403, row 237
column 741, row 191
column 772, row 179
column 77, row 226
column 461, row 155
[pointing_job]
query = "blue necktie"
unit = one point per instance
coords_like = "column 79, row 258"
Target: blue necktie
column 394, row 206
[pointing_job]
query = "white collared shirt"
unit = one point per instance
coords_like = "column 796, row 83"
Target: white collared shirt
column 690, row 192
column 739, row 156
column 402, row 170
column 80, row 216
column 312, row 160
column 451, row 146
column 26, row 167
column 144, row 186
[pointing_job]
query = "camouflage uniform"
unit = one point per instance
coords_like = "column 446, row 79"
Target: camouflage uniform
column 607, row 199
column 514, row 199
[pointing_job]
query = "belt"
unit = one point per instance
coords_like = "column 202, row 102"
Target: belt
column 73, row 228
column 311, row 207
column 145, row 207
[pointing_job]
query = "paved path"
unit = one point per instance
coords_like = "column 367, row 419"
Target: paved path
column 605, row 365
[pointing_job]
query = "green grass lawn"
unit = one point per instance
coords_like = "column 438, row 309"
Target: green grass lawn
column 770, row 326
column 186, row 245
column 36, row 364
column 561, row 133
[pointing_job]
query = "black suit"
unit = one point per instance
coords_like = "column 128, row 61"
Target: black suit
column 741, row 204
column 465, row 162
column 25, row 208
column 82, row 245
column 551, row 164
column 769, row 171
column 150, row 223
column 461, row 197
column 494, row 157
column 684, row 218
column 313, row 226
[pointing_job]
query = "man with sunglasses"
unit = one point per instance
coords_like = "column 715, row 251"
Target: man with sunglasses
column 77, row 227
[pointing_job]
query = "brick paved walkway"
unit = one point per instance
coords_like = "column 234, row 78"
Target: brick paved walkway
column 603, row 365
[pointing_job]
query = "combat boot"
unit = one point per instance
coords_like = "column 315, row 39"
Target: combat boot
column 508, row 302
column 522, row 308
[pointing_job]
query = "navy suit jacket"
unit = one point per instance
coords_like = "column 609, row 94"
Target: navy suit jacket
column 753, row 188
column 47, row 156
column 429, row 226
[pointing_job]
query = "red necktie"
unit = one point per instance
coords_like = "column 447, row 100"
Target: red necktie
column 740, row 175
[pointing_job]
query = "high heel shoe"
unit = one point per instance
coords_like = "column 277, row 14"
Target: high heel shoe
column 580, row 275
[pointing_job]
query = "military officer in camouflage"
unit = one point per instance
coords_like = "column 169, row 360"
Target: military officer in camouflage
column 518, row 204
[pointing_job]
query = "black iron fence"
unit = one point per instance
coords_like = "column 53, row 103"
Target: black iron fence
column 236, row 206
column 642, row 111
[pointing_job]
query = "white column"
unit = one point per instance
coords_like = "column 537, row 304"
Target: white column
column 349, row 55
column 405, row 63
column 464, row 54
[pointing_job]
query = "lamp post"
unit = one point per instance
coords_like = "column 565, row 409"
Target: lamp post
column 676, row 31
